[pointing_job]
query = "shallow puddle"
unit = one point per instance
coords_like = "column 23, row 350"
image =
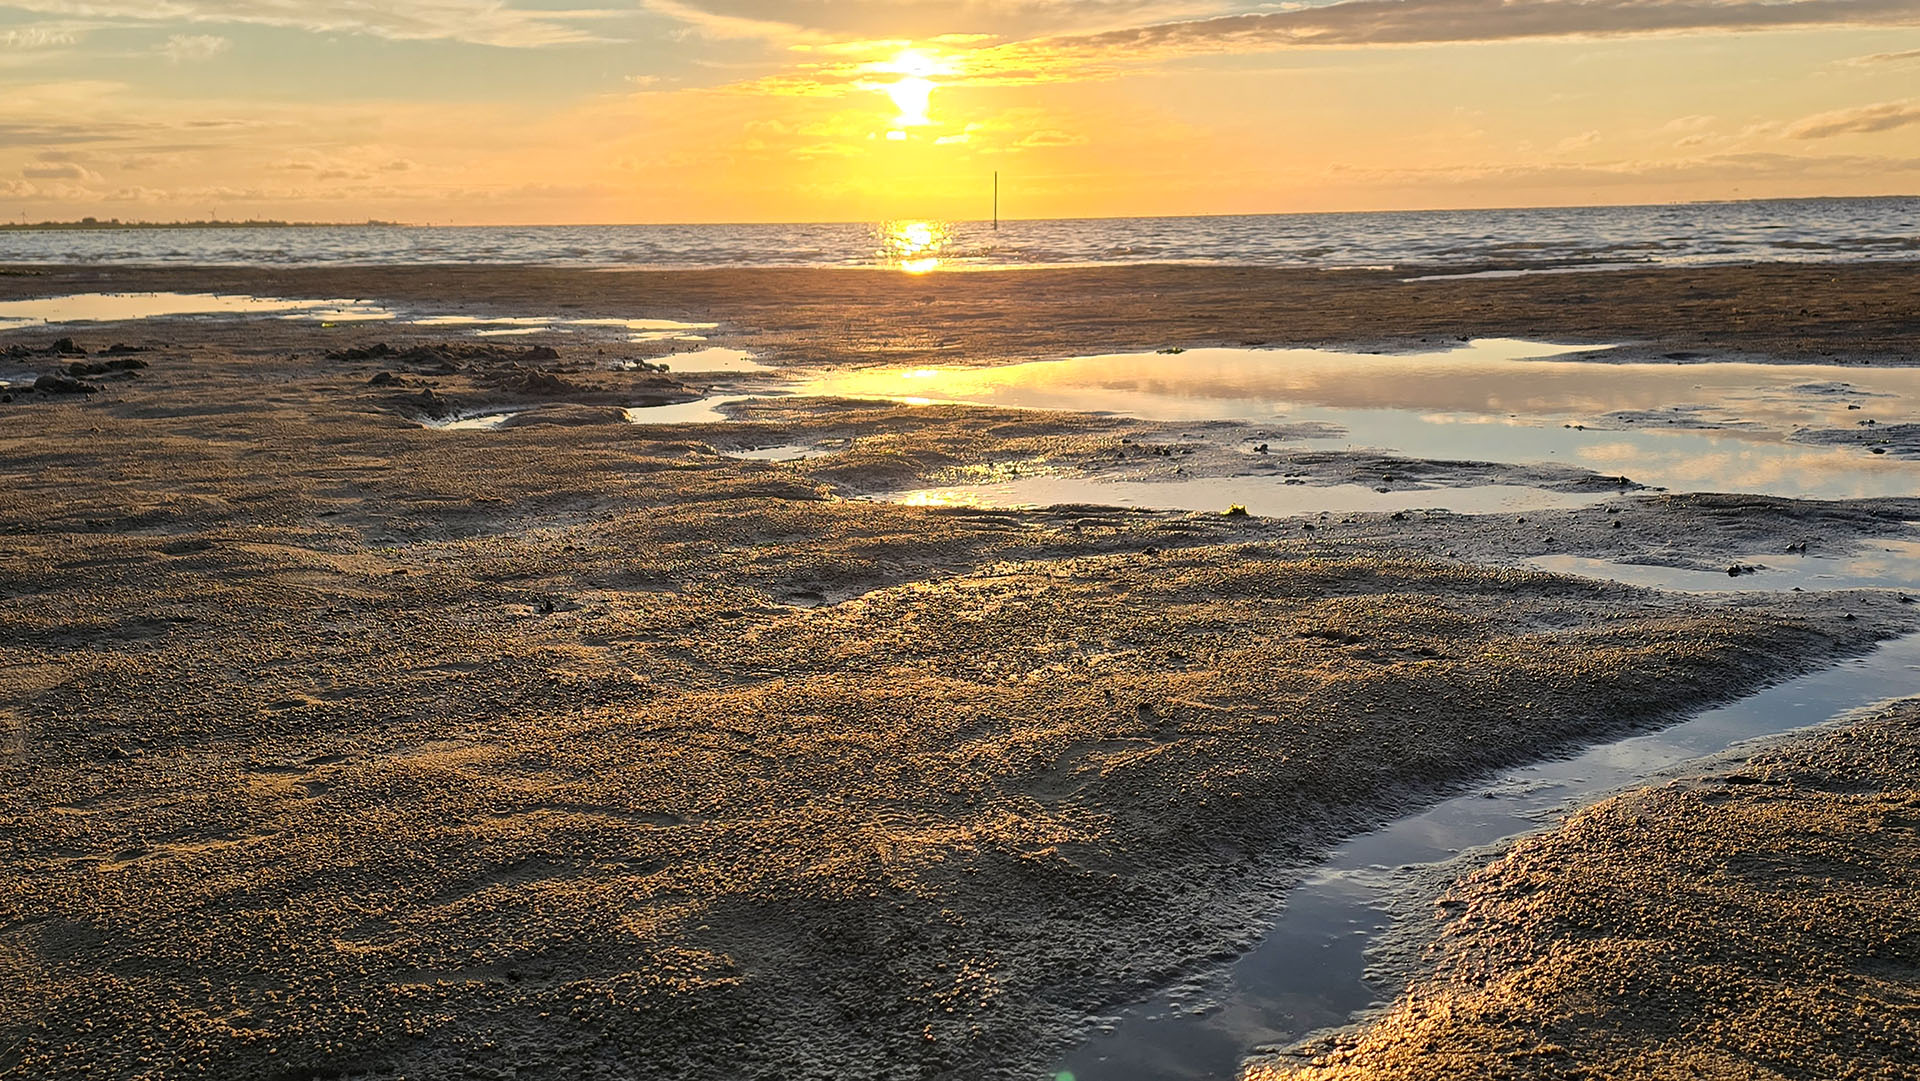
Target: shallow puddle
column 1264, row 496
column 699, row 411
column 782, row 452
column 634, row 330
column 1307, row 971
column 1886, row 564
column 119, row 307
column 712, row 359
column 1694, row 427
column 473, row 422
column 122, row 307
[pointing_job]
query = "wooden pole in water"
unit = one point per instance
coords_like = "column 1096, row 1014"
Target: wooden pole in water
column 996, row 200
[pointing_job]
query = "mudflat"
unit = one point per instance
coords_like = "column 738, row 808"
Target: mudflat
column 333, row 743
column 1780, row 312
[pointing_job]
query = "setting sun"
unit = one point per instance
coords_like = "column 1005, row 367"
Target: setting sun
column 912, row 92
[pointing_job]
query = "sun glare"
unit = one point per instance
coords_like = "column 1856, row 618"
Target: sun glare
column 912, row 91
column 911, row 95
column 914, row 246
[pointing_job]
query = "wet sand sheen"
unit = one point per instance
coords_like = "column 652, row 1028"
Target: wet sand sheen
column 1311, row 970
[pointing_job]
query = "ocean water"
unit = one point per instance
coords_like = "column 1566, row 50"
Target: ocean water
column 1495, row 241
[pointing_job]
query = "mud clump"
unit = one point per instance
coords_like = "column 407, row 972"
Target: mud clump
column 537, row 383
column 566, row 415
column 61, row 347
column 60, row 383
column 428, row 403
column 450, row 356
column 119, row 365
column 1902, row 440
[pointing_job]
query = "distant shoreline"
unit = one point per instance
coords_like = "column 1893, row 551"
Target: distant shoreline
column 91, row 224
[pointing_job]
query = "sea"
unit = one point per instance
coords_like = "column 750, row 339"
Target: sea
column 1491, row 242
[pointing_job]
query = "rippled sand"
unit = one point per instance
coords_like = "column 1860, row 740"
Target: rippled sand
column 332, row 742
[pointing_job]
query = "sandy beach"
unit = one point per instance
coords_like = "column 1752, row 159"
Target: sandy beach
column 335, row 743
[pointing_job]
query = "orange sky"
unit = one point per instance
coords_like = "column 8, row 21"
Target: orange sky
column 748, row 110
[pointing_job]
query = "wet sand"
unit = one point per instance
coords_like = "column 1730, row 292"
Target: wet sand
column 333, row 743
column 1765, row 312
column 1751, row 921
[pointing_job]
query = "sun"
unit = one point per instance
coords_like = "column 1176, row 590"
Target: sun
column 912, row 92
column 911, row 95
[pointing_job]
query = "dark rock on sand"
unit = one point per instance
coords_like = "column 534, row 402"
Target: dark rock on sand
column 448, row 355
column 1902, row 440
column 62, row 347
column 534, row 382
column 105, row 367
column 58, row 383
column 566, row 415
column 427, row 403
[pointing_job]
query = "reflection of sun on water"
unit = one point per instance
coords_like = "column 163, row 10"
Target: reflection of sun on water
column 914, row 246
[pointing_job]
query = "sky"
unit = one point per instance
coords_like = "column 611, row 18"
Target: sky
column 603, row 111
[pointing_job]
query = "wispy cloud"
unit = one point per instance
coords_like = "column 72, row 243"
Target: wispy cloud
column 1418, row 22
column 58, row 134
column 185, row 48
column 37, row 37
column 1713, row 168
column 60, row 170
column 825, row 20
column 707, row 22
column 1873, row 59
column 1577, row 142
column 1040, row 139
column 1860, row 120
column 978, row 60
column 480, row 22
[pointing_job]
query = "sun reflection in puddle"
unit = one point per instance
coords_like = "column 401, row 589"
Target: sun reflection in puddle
column 124, row 307
column 1882, row 564
column 1259, row 495
column 713, row 359
column 120, row 307
column 1500, row 401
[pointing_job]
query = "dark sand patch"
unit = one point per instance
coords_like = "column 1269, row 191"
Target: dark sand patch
column 1836, row 313
column 1900, row 440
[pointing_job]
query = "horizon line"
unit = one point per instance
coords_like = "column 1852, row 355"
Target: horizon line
column 374, row 222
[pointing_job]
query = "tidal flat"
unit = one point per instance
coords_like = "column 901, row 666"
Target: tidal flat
column 337, row 742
